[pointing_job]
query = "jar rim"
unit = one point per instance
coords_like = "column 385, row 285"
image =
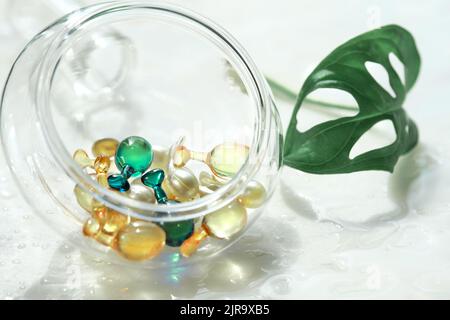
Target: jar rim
column 198, row 207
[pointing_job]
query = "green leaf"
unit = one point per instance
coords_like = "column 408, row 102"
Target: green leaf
column 325, row 148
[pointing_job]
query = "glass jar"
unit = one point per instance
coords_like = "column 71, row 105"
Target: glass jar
column 136, row 69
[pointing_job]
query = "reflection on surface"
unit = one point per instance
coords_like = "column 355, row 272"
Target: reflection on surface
column 253, row 259
column 343, row 193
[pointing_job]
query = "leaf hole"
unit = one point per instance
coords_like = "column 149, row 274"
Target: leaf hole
column 380, row 135
column 398, row 66
column 312, row 113
column 381, row 76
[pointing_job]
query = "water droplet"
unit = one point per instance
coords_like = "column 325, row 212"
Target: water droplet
column 6, row 194
column 278, row 285
column 66, row 248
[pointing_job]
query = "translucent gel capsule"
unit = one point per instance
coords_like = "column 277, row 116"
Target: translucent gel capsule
column 91, row 227
column 105, row 147
column 100, row 164
column 182, row 156
column 101, row 167
column 161, row 159
column 141, row 193
column 104, row 225
column 103, row 180
column 84, row 199
column 193, row 242
column 181, row 184
column 154, row 179
column 177, row 232
column 141, row 241
column 253, row 196
column 100, row 212
column 224, row 160
column 135, row 152
column 106, row 239
column 81, row 157
column 226, row 222
column 114, row 222
column 207, row 183
column 222, row 224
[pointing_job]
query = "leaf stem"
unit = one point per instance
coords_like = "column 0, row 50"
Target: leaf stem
column 284, row 92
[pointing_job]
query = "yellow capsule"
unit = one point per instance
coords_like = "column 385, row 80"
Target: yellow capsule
column 141, row 241
column 84, row 199
column 253, row 196
column 114, row 222
column 106, row 239
column 227, row 159
column 100, row 212
column 104, row 225
column 140, row 192
column 207, row 183
column 91, row 227
column 102, row 179
column 191, row 244
column 81, row 157
column 181, row 184
column 102, row 164
column 105, row 147
column 226, row 222
column 181, row 156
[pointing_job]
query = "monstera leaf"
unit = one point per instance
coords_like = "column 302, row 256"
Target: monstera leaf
column 325, row 148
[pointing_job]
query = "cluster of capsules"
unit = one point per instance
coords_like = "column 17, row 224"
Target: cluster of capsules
column 163, row 177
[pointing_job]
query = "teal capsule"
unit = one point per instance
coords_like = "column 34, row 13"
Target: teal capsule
column 177, row 232
column 153, row 179
column 120, row 181
column 135, row 152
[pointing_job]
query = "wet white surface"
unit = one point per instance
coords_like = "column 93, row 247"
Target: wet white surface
column 365, row 235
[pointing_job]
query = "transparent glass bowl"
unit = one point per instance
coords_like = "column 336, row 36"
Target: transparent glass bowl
column 135, row 69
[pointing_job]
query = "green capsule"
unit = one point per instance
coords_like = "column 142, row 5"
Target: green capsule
column 177, row 232
column 120, row 181
column 135, row 152
column 153, row 179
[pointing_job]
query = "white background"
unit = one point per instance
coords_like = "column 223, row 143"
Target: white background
column 369, row 235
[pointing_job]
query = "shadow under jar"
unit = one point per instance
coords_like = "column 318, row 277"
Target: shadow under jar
column 115, row 70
